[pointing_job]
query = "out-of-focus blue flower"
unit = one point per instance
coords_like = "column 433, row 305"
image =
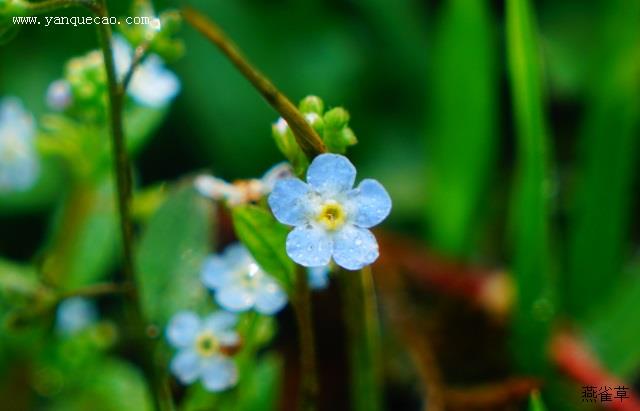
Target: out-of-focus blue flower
column 59, row 95
column 330, row 217
column 203, row 346
column 75, row 314
column 239, row 283
column 19, row 165
column 318, row 277
column 152, row 84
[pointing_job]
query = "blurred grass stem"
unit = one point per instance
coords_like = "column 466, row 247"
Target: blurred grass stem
column 308, row 369
column 363, row 334
column 306, row 137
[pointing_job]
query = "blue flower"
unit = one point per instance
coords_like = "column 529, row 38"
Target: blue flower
column 19, row 166
column 59, row 95
column 239, row 283
column 330, row 217
column 203, row 349
column 75, row 314
column 318, row 277
column 152, row 84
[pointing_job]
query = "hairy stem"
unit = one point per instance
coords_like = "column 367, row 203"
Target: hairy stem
column 308, row 370
column 306, row 137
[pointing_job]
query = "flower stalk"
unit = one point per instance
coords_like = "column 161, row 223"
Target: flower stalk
column 308, row 370
column 306, row 137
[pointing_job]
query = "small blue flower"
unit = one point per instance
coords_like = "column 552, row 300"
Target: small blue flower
column 203, row 349
column 239, row 283
column 19, row 166
column 59, row 95
column 152, row 84
column 318, row 277
column 75, row 314
column 330, row 217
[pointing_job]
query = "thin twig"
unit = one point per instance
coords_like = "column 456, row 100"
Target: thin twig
column 51, row 5
column 140, row 54
column 96, row 290
column 305, row 135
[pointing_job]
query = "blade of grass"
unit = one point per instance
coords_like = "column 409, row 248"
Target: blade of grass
column 463, row 137
column 531, row 226
column 601, row 208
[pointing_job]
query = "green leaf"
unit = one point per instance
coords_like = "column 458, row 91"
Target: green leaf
column 612, row 331
column 535, row 402
column 107, row 385
column 531, row 210
column 265, row 238
column 173, row 247
column 85, row 237
column 610, row 138
column 462, row 139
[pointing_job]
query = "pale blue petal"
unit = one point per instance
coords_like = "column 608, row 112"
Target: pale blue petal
column 276, row 173
column 309, row 246
column 186, row 366
column 289, row 201
column 152, row 84
column 219, row 373
column 371, row 203
column 228, row 338
column 331, row 173
column 318, row 277
column 354, row 248
column 183, row 329
column 237, row 253
column 270, row 298
column 220, row 321
column 122, row 55
column 215, row 272
column 235, row 298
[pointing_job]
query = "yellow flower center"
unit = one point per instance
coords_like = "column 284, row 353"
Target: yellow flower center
column 206, row 344
column 332, row 215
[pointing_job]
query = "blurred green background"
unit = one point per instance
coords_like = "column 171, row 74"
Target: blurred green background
column 505, row 131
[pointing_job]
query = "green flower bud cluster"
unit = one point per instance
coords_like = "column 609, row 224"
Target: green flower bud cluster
column 159, row 34
column 331, row 125
column 87, row 81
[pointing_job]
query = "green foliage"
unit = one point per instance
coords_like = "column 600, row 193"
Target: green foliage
column 608, row 162
column 462, row 136
column 532, row 265
column 535, row 402
column 265, row 238
column 172, row 249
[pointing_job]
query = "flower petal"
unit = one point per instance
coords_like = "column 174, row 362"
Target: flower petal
column 183, row 328
column 270, row 298
column 215, row 272
column 289, row 201
column 219, row 373
column 220, row 321
column 309, row 246
column 371, row 203
column 152, row 84
column 186, row 366
column 354, row 248
column 331, row 173
column 235, row 298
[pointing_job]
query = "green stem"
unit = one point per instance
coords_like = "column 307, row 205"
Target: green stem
column 122, row 167
column 308, row 370
column 306, row 137
column 363, row 333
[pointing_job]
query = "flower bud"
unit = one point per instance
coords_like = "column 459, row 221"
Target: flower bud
column 312, row 104
column 316, row 122
column 336, row 118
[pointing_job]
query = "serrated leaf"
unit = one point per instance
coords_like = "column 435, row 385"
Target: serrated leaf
column 171, row 252
column 265, row 238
